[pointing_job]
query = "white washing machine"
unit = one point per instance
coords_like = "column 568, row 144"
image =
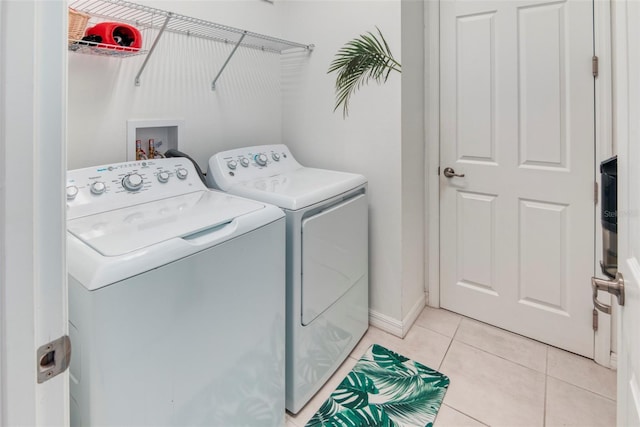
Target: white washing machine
column 176, row 300
column 327, row 256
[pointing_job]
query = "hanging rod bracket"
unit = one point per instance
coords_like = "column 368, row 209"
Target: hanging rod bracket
column 153, row 47
column 213, row 83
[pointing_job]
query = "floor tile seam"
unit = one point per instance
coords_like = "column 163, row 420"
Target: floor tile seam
column 544, row 407
column 446, row 352
column 583, row 389
column 433, row 330
column 501, row 357
column 508, row 332
column 430, row 330
column 465, row 414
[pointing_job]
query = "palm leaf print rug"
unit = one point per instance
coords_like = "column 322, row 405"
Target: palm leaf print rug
column 384, row 389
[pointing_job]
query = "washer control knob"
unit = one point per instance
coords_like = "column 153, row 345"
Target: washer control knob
column 132, row 182
column 163, row 176
column 261, row 159
column 182, row 173
column 232, row 164
column 244, row 162
column 98, row 187
column 275, row 156
column 72, row 192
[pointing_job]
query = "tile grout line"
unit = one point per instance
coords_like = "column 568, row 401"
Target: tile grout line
column 440, row 369
column 465, row 414
column 566, row 381
column 584, row 389
column 546, row 385
column 502, row 357
column 448, row 347
column 497, row 355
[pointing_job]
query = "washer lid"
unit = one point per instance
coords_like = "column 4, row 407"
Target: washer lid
column 299, row 188
column 128, row 229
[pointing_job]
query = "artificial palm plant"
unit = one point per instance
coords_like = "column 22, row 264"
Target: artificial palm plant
column 367, row 57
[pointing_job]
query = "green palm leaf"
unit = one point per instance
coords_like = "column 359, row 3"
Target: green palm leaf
column 387, row 358
column 398, row 384
column 420, row 407
column 359, row 61
column 326, row 415
column 373, row 415
column 353, row 391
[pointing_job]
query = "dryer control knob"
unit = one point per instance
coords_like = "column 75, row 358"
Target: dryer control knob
column 132, row 182
column 163, row 176
column 275, row 156
column 182, row 173
column 72, row 192
column 98, row 188
column 244, row 162
column 232, row 164
column 261, row 159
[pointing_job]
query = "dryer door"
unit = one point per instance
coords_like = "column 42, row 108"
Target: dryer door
column 334, row 254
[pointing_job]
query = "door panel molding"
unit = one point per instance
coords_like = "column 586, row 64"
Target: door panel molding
column 603, row 147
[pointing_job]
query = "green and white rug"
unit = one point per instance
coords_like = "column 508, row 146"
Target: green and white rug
column 384, row 389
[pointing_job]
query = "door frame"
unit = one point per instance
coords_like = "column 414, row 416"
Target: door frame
column 33, row 290
column 603, row 149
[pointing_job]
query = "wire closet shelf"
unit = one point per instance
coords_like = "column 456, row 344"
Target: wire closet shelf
column 145, row 17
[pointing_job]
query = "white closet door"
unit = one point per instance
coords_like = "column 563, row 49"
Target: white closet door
column 517, row 119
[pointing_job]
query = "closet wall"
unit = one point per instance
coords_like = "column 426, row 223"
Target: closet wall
column 244, row 109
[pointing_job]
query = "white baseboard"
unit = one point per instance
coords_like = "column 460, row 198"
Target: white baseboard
column 614, row 361
column 395, row 326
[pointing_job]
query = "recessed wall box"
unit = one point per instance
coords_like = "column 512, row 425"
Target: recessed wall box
column 161, row 134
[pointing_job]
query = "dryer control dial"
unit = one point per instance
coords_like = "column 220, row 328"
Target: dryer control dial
column 72, row 192
column 98, row 187
column 244, row 162
column 163, row 176
column 182, row 173
column 132, row 182
column 275, row 156
column 232, row 164
column 261, row 159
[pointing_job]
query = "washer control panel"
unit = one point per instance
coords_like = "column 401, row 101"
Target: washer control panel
column 106, row 187
column 243, row 164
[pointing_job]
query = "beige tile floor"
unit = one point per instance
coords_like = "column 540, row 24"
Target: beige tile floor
column 497, row 378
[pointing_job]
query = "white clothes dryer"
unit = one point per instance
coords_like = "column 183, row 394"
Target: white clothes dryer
column 327, row 256
column 175, row 300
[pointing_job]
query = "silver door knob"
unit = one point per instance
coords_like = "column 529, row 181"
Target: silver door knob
column 450, row 173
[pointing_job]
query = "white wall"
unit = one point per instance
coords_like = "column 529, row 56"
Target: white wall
column 245, row 109
column 382, row 138
column 413, row 158
column 367, row 142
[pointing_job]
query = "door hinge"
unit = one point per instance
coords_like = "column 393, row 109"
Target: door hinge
column 53, row 358
column 595, row 319
column 594, row 66
column 595, row 193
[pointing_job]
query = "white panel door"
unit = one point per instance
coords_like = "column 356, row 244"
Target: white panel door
column 517, row 108
column 626, row 15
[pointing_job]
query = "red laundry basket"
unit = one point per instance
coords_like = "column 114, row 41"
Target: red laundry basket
column 116, row 35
